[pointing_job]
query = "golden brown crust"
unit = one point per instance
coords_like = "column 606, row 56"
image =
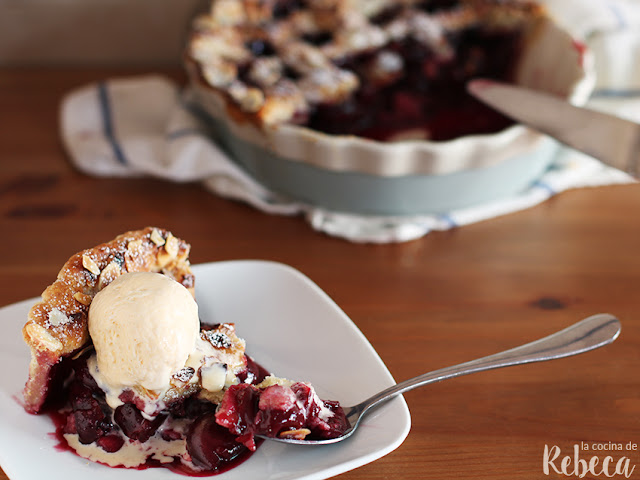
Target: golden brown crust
column 57, row 325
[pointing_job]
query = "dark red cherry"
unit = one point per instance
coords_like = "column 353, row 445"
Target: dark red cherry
column 134, row 425
column 110, row 443
column 212, row 446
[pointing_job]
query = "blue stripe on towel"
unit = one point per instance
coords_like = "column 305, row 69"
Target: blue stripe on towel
column 544, row 186
column 448, row 219
column 616, row 93
column 184, row 132
column 615, row 9
column 107, row 123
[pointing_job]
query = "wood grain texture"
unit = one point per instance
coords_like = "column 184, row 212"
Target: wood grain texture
column 94, row 32
column 447, row 298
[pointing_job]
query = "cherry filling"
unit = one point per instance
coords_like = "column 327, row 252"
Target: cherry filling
column 215, row 442
column 85, row 412
column 90, row 416
column 429, row 95
column 211, row 446
column 279, row 410
column 284, row 8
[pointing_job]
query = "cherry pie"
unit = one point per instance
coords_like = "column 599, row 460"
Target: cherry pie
column 57, row 328
column 379, row 69
column 203, row 422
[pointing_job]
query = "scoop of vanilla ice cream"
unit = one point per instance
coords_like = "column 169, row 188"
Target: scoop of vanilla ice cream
column 144, row 326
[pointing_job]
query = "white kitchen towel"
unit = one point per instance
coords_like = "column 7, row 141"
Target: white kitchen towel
column 141, row 126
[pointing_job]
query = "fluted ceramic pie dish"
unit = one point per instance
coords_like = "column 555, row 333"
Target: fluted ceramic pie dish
column 354, row 174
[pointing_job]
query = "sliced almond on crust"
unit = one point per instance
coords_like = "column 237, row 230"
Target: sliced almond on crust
column 39, row 338
column 295, row 434
column 90, row 264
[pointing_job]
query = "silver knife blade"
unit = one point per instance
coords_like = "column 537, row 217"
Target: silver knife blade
column 611, row 139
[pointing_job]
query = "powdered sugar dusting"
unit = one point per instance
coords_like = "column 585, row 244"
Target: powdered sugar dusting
column 57, row 318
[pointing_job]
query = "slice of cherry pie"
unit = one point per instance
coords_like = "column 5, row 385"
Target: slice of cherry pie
column 57, row 328
column 380, row 69
column 133, row 379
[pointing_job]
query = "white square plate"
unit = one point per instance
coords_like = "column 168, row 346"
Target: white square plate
column 291, row 327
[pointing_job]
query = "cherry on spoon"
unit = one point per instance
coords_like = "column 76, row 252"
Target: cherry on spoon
column 591, row 333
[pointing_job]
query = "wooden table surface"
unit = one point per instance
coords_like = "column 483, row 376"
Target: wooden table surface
column 440, row 300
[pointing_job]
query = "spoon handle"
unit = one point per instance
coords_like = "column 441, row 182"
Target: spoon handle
column 591, row 333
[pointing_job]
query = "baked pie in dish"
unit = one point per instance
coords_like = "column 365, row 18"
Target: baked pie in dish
column 360, row 106
column 378, row 69
column 132, row 378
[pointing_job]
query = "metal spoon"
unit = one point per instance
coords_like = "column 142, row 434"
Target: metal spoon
column 589, row 334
